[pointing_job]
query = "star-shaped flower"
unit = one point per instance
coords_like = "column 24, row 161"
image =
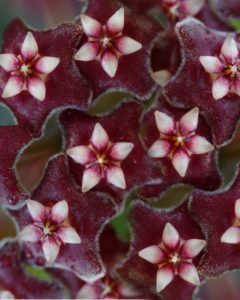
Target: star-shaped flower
column 173, row 257
column 178, row 140
column 106, row 43
column 196, row 40
column 176, row 253
column 180, row 9
column 102, row 159
column 50, row 226
column 28, row 69
column 224, row 69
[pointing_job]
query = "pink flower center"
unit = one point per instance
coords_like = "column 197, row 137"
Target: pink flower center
column 232, row 70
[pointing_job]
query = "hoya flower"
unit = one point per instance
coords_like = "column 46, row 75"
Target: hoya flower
column 224, row 69
column 28, row 69
column 178, row 140
column 173, row 257
column 106, row 43
column 232, row 234
column 102, row 159
column 180, row 9
column 50, row 226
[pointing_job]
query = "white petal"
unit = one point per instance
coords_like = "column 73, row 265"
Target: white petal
column 13, row 87
column 188, row 272
column 59, row 211
column 30, row 233
column 170, row 237
column 9, row 62
column 152, row 254
column 220, row 88
column 237, row 209
column 81, row 154
column 50, row 249
column 115, row 176
column 115, row 23
column 37, row 211
column 109, row 62
column 91, row 27
column 189, row 121
column 89, row 51
column 164, row 277
column 99, row 137
column 68, row 235
column 192, row 7
column 46, row 64
column 127, row 45
column 4, row 294
column 192, row 247
column 29, row 47
column 211, row 64
column 91, row 177
column 36, row 88
column 165, row 123
column 161, row 77
column 199, row 145
column 231, row 235
column 88, row 291
column 180, row 162
column 159, row 149
column 121, row 150
column 230, row 50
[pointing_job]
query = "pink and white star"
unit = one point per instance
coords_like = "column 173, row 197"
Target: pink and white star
column 179, row 9
column 28, row 70
column 174, row 257
column 102, row 159
column 178, row 140
column 224, row 69
column 50, row 226
column 106, row 43
column 232, row 234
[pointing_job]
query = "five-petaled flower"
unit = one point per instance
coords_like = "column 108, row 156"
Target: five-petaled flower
column 232, row 234
column 178, row 140
column 180, row 9
column 28, row 70
column 50, row 226
column 173, row 256
column 102, row 159
column 224, row 69
column 106, row 43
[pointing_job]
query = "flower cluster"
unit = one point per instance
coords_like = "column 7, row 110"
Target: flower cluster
column 142, row 104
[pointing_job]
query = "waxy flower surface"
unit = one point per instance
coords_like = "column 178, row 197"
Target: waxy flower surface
column 51, row 227
column 106, row 43
column 178, row 140
column 173, row 257
column 224, row 70
column 218, row 215
column 102, row 159
column 180, row 9
column 198, row 40
column 28, row 69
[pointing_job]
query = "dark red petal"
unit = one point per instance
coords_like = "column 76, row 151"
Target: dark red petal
column 143, row 29
column 199, row 164
column 14, row 278
column 13, row 139
column 219, row 257
column 87, row 214
column 64, row 86
column 137, row 166
column 148, row 224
